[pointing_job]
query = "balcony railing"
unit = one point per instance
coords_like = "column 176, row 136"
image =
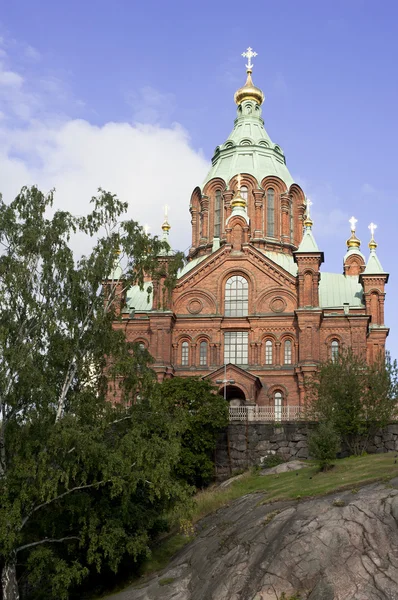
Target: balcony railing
column 266, row 414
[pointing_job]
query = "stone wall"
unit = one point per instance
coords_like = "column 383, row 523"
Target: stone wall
column 245, row 444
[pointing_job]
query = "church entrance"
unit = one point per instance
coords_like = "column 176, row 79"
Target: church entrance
column 234, row 395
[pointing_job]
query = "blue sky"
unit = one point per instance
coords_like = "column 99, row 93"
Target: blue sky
column 134, row 96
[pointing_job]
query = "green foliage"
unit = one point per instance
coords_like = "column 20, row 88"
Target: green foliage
column 356, row 397
column 83, row 483
column 323, row 445
column 272, row 460
column 207, row 414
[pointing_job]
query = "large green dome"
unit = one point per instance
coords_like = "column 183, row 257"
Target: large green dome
column 249, row 149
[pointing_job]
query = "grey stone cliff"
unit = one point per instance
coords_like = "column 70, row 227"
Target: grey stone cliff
column 340, row 547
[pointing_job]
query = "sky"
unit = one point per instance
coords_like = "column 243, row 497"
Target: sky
column 134, row 96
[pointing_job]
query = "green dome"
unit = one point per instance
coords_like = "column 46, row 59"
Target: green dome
column 249, row 149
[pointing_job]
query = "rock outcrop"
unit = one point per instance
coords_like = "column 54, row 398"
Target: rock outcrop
column 339, row 547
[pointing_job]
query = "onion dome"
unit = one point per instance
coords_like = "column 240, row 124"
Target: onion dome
column 249, row 91
column 372, row 243
column 353, row 241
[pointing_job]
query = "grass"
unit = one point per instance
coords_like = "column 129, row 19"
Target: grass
column 348, row 473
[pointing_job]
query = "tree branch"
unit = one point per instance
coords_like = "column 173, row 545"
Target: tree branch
column 74, row 489
column 47, row 541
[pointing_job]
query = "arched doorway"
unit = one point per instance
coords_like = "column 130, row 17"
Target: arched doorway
column 234, row 395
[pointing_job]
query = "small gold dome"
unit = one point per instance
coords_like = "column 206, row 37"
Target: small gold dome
column 238, row 200
column 308, row 222
column 166, row 226
column 249, row 91
column 353, row 241
column 372, row 244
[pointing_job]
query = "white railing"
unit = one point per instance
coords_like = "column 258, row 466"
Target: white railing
column 268, row 414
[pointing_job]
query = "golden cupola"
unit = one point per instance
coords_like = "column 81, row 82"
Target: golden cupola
column 249, row 91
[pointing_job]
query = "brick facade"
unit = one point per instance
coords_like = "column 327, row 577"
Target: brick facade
column 295, row 315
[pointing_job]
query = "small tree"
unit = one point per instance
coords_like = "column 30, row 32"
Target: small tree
column 323, row 444
column 207, row 414
column 357, row 398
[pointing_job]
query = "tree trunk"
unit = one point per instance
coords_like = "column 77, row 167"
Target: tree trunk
column 9, row 584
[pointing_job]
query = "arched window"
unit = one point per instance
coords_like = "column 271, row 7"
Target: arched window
column 203, row 353
column 184, row 354
column 288, row 352
column 244, row 192
column 217, row 214
column 270, row 212
column 268, row 352
column 236, row 297
column 334, row 349
column 278, row 406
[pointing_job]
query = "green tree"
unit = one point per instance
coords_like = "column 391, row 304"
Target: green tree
column 207, row 415
column 323, row 444
column 81, row 480
column 355, row 397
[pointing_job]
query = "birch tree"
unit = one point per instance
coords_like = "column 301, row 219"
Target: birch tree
column 66, row 452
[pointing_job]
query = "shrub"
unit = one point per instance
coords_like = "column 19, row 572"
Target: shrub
column 323, row 445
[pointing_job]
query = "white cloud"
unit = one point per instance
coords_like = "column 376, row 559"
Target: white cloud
column 10, row 79
column 147, row 164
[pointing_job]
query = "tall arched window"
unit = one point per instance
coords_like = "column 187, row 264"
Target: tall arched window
column 184, row 354
column 268, row 353
column 334, row 349
column 217, row 214
column 278, row 406
column 288, row 352
column 244, row 192
column 270, row 212
column 236, row 297
column 203, row 354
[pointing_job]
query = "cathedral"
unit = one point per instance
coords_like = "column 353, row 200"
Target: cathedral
column 252, row 310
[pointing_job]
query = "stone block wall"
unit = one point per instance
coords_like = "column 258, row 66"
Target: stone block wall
column 243, row 445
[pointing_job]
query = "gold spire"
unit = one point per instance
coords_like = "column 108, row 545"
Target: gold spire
column 166, row 225
column 237, row 199
column 372, row 243
column 308, row 221
column 249, row 91
column 353, row 241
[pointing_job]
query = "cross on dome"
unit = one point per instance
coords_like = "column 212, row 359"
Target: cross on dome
column 249, row 54
column 146, row 229
column 353, row 221
column 308, row 204
column 166, row 211
column 239, row 180
column 372, row 228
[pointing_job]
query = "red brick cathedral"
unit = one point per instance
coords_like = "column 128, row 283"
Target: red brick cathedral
column 252, row 310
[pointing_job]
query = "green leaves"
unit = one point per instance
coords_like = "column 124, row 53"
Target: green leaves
column 82, row 481
column 206, row 414
column 356, row 397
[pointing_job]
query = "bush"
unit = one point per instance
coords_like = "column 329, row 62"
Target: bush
column 323, row 445
column 272, row 460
